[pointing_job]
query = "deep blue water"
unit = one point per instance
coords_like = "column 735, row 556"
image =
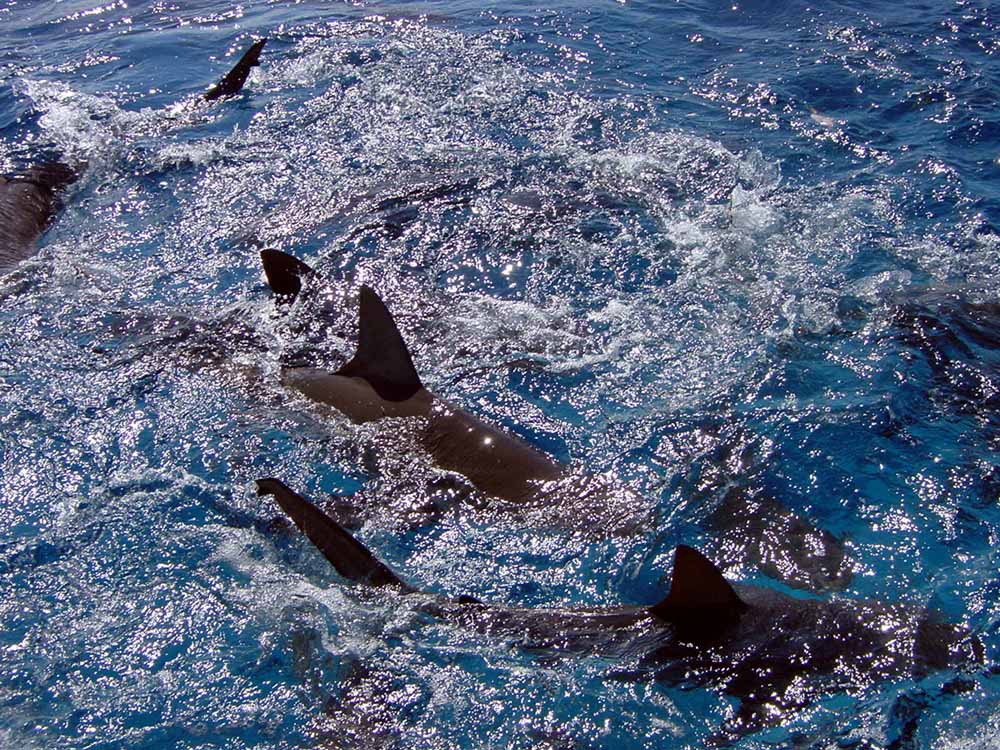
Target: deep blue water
column 694, row 245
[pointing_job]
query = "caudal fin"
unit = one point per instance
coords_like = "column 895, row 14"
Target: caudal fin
column 351, row 558
column 233, row 81
column 382, row 358
column 699, row 596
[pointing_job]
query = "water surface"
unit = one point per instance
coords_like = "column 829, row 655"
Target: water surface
column 648, row 237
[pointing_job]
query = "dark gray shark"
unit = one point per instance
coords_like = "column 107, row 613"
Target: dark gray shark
column 749, row 524
column 772, row 652
column 30, row 200
column 381, row 382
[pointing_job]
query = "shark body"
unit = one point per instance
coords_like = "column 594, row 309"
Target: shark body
column 381, row 382
column 773, row 652
column 28, row 202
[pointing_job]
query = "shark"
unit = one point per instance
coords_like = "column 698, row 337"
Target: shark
column 772, row 652
column 28, row 203
column 749, row 524
column 31, row 199
column 380, row 382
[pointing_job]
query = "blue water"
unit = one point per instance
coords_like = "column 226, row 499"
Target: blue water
column 636, row 233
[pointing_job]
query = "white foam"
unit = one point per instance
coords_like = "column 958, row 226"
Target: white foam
column 196, row 154
column 78, row 124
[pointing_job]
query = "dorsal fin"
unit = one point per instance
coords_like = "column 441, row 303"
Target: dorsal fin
column 382, row 359
column 698, row 592
column 233, row 81
column 349, row 556
column 284, row 272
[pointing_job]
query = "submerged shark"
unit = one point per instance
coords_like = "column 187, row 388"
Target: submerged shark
column 30, row 199
column 773, row 652
column 28, row 202
column 381, row 382
column 749, row 524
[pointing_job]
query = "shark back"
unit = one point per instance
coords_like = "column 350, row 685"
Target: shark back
column 700, row 600
column 27, row 204
column 382, row 359
column 29, row 200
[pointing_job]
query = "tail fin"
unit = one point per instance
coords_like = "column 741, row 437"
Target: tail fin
column 284, row 272
column 351, row 558
column 700, row 598
column 382, row 358
column 235, row 78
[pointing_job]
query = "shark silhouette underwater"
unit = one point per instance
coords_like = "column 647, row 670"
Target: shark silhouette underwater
column 30, row 200
column 773, row 652
column 381, row 382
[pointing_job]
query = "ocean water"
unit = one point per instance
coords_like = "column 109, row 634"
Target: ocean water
column 738, row 251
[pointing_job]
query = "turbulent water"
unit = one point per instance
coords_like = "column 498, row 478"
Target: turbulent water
column 740, row 258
